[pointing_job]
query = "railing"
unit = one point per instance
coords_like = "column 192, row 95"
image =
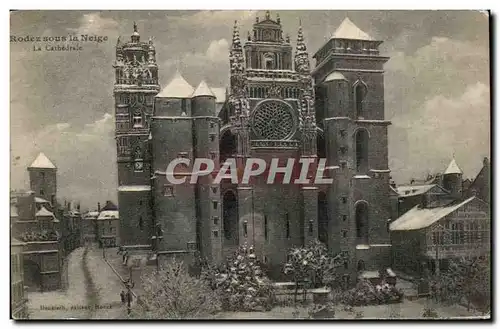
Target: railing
column 274, row 144
column 265, row 74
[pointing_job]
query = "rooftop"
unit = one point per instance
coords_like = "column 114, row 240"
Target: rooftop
column 178, row 87
column 418, row 218
column 42, row 161
column 203, row 90
column 348, row 30
column 43, row 212
column 108, row 214
column 335, row 75
column 453, row 168
column 412, row 190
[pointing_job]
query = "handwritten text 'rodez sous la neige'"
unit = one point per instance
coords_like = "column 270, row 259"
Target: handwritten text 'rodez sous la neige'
column 68, row 42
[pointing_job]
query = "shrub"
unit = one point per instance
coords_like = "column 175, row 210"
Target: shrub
column 241, row 283
column 317, row 311
column 366, row 293
column 172, row 293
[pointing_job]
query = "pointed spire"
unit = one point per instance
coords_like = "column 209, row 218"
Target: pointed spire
column 42, row 162
column 301, row 46
column 236, row 36
column 178, row 87
column 348, row 30
column 278, row 19
column 203, row 90
column 301, row 55
column 135, row 36
column 453, row 168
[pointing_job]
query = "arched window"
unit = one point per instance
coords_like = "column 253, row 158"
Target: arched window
column 361, row 142
column 361, row 222
column 269, row 61
column 227, row 146
column 230, row 218
column 361, row 266
column 360, row 91
column 137, row 119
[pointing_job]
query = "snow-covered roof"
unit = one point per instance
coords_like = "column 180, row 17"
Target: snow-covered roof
column 91, row 214
column 335, row 75
column 453, row 168
column 412, row 190
column 108, row 214
column 178, row 87
column 418, row 218
column 220, row 94
column 203, row 90
column 43, row 212
column 348, row 30
column 16, row 242
column 42, row 161
column 40, row 200
column 134, row 188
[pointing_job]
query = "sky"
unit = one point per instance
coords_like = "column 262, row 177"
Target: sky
column 437, row 88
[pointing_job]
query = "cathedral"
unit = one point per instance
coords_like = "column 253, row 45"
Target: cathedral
column 276, row 107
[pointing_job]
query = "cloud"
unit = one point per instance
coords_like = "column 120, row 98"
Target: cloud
column 425, row 140
column 85, row 159
column 93, row 23
column 211, row 18
column 218, row 50
column 211, row 65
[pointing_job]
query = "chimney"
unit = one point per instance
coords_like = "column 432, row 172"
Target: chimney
column 98, row 207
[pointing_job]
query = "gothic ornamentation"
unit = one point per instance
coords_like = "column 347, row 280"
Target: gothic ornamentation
column 273, row 120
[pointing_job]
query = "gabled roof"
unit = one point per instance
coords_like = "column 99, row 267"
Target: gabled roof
column 453, row 168
column 418, row 218
column 44, row 213
column 42, row 161
column 178, row 87
column 91, row 214
column 203, row 90
column 348, row 30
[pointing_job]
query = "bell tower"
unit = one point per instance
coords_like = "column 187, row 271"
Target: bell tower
column 136, row 84
column 349, row 82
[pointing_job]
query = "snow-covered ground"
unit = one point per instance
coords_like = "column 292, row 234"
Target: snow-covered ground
column 62, row 304
column 108, row 287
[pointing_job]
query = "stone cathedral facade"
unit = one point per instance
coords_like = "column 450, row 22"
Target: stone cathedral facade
column 276, row 107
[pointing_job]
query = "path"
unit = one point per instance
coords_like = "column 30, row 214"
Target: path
column 108, row 287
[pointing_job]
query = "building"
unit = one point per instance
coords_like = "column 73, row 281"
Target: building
column 424, row 237
column 35, row 221
column 89, row 227
column 436, row 224
column 108, row 225
column 276, row 107
column 480, row 186
column 18, row 302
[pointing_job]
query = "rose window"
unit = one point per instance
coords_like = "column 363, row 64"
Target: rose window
column 273, row 120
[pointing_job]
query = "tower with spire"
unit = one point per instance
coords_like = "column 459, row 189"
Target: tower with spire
column 349, row 87
column 136, row 84
column 452, row 179
column 43, row 178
